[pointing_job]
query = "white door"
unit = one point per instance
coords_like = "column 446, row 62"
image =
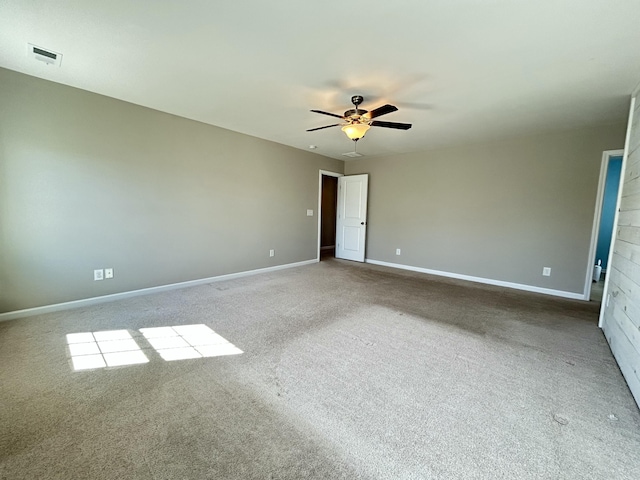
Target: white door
column 351, row 227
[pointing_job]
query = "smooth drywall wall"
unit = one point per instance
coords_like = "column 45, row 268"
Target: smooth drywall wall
column 89, row 182
column 621, row 315
column 499, row 211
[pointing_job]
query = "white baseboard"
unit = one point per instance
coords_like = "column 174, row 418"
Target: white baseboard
column 28, row 312
column 488, row 281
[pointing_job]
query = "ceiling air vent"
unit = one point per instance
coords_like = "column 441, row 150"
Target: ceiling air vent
column 352, row 154
column 44, row 55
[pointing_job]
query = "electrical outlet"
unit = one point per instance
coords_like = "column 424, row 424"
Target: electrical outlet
column 272, row 253
column 108, row 273
column 309, row 213
column 546, row 271
column 98, row 275
column 397, row 251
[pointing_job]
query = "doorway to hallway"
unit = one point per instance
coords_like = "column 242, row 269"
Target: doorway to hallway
column 329, row 208
column 606, row 205
column 327, row 214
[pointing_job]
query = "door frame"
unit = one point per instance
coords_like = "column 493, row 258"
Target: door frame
column 328, row 174
column 597, row 214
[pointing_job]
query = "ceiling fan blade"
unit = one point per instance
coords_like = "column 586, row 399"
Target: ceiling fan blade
column 383, row 110
column 399, row 126
column 327, row 113
column 320, row 128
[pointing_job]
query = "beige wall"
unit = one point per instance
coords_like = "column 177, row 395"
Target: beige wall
column 500, row 211
column 90, row 182
column 621, row 316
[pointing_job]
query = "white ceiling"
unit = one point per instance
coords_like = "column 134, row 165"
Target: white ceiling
column 460, row 70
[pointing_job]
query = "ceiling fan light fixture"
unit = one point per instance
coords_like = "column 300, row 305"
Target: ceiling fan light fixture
column 356, row 131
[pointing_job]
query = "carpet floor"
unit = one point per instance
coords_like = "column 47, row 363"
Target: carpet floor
column 348, row 371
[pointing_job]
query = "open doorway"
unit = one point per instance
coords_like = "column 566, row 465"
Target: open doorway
column 603, row 227
column 327, row 211
column 328, row 216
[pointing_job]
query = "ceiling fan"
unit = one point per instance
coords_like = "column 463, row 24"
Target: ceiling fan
column 357, row 121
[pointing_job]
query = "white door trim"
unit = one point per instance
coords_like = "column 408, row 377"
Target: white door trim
column 328, row 174
column 604, row 167
column 625, row 154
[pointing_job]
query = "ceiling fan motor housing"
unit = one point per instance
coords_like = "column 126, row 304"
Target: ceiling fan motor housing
column 354, row 114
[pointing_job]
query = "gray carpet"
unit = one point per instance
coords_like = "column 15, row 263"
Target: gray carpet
column 348, row 371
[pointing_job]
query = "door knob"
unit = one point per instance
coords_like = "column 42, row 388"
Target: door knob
column 362, row 223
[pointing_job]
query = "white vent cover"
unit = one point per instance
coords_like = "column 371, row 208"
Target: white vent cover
column 352, row 154
column 44, row 55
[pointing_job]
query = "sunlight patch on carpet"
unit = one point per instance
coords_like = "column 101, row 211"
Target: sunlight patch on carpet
column 116, row 348
column 188, row 341
column 113, row 348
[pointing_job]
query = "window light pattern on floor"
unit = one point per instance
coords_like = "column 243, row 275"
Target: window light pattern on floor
column 188, row 341
column 111, row 348
column 114, row 348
